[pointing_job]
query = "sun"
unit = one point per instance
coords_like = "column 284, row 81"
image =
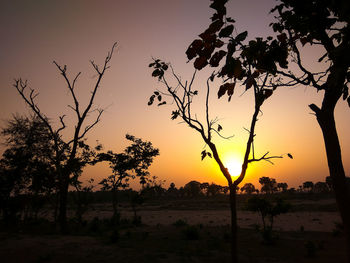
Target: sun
column 234, row 167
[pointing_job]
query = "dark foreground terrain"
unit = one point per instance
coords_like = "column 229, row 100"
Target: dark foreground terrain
column 179, row 231
column 182, row 243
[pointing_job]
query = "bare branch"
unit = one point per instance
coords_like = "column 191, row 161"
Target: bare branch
column 265, row 158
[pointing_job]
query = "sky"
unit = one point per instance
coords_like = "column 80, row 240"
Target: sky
column 34, row 33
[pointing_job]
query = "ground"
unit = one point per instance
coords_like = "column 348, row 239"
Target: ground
column 180, row 233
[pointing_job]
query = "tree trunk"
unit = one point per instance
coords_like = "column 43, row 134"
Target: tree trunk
column 325, row 118
column 63, row 195
column 234, row 250
column 116, row 214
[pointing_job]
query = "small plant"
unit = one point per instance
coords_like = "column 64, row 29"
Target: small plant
column 191, row 233
column 268, row 210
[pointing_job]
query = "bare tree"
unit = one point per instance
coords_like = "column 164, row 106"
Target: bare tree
column 65, row 158
column 182, row 97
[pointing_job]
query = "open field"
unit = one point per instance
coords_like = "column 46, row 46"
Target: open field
column 180, row 232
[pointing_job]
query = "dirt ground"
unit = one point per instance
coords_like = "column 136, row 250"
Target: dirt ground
column 310, row 221
column 300, row 236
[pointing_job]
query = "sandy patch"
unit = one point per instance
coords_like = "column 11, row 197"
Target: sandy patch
column 310, row 221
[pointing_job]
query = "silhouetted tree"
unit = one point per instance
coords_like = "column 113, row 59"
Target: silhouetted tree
column 154, row 188
column 214, row 189
column 325, row 25
column 252, row 65
column 66, row 151
column 133, row 162
column 136, row 201
column 192, row 189
column 268, row 185
column 282, row 187
column 26, row 164
column 321, row 187
column 82, row 198
column 308, row 186
column 172, row 191
column 204, row 187
column 268, row 210
column 249, row 188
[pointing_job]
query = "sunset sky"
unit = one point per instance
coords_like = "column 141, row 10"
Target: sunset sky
column 36, row 32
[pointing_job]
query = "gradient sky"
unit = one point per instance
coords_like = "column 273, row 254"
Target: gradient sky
column 36, row 32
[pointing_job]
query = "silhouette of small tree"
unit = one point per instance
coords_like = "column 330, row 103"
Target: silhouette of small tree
column 66, row 151
column 308, row 186
column 82, row 198
column 26, row 165
column 193, row 189
column 268, row 210
column 268, row 185
column 282, row 187
column 249, row 188
column 133, row 162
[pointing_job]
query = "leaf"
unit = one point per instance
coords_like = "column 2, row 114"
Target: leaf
column 151, row 64
column 219, row 127
column 231, row 20
column 208, row 37
column 209, row 154
column 237, row 69
column 159, row 97
column 175, row 114
column 222, row 91
column 162, row 103
column 348, row 100
column 194, row 48
column 156, row 93
column 203, row 153
column 164, row 66
column 216, row 58
column 303, row 41
column 230, row 88
column 151, row 100
column 226, row 31
column 219, row 43
column 242, row 36
column 267, row 93
column 290, row 156
column 156, row 73
column 215, row 26
column 282, row 37
column 212, row 77
column 200, row 62
column 249, row 82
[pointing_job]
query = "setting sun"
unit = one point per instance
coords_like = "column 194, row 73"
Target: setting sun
column 234, row 167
